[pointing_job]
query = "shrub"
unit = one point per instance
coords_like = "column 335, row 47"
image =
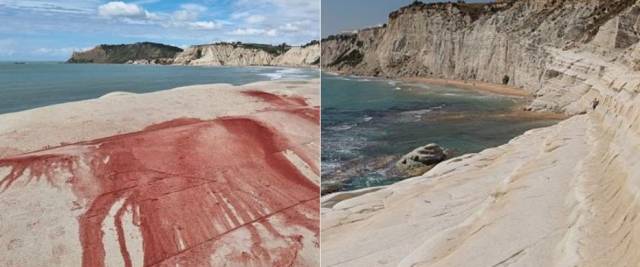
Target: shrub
column 505, row 79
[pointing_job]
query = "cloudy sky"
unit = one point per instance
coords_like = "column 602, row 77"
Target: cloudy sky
column 53, row 29
column 348, row 15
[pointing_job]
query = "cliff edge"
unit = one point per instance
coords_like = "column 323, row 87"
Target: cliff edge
column 127, row 53
column 218, row 54
column 239, row 54
column 565, row 195
column 519, row 43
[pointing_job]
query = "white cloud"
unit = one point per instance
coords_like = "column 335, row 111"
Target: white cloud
column 47, row 6
column 293, row 21
column 289, row 27
column 260, row 21
column 205, row 25
column 254, row 19
column 271, row 32
column 142, row 2
column 254, row 31
column 188, row 12
column 120, row 9
column 239, row 15
column 59, row 51
column 185, row 17
column 130, row 13
column 247, row 31
column 195, row 7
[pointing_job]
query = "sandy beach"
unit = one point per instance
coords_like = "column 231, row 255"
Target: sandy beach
column 194, row 176
column 473, row 85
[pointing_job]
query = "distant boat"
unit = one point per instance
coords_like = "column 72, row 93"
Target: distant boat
column 20, row 63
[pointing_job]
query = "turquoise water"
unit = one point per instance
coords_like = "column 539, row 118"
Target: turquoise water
column 27, row 86
column 367, row 124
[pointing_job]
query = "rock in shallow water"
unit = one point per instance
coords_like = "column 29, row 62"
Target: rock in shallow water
column 420, row 160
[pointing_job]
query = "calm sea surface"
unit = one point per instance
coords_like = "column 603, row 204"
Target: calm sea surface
column 367, row 124
column 27, row 86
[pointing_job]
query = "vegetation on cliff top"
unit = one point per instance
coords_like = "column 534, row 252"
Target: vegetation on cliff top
column 125, row 52
column 271, row 49
column 474, row 10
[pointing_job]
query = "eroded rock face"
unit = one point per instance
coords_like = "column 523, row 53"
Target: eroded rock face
column 511, row 41
column 564, row 195
column 300, row 56
column 239, row 55
column 223, row 55
column 220, row 54
column 420, row 160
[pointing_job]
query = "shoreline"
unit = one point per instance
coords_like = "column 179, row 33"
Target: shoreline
column 473, row 85
column 115, row 75
column 311, row 67
column 105, row 121
column 516, row 113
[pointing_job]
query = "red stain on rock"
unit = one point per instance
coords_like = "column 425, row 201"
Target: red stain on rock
column 277, row 100
column 173, row 123
column 39, row 166
column 296, row 105
column 187, row 184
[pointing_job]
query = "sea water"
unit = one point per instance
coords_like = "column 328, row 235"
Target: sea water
column 37, row 84
column 367, row 124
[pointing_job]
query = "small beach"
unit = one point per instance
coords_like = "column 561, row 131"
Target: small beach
column 368, row 123
column 494, row 88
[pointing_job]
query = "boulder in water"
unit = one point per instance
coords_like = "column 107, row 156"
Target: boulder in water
column 420, row 160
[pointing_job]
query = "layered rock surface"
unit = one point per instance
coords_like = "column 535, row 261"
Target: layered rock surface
column 239, row 55
column 565, row 195
column 219, row 54
column 197, row 176
column 511, row 42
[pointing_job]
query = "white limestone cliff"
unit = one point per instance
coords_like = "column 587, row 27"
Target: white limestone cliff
column 239, row 55
column 565, row 195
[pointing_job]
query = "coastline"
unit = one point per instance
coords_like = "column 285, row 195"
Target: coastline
column 514, row 115
column 122, row 77
column 72, row 124
column 473, row 85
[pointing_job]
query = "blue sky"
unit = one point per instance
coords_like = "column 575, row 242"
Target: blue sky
column 348, row 15
column 53, row 29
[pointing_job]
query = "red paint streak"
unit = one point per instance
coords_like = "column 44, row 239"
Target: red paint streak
column 277, row 100
column 295, row 105
column 173, row 123
column 191, row 182
column 40, row 166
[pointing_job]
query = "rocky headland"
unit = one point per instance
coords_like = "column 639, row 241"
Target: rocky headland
column 565, row 195
column 206, row 175
column 127, row 53
column 218, row 54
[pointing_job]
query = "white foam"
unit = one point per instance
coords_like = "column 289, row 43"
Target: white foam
column 286, row 74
